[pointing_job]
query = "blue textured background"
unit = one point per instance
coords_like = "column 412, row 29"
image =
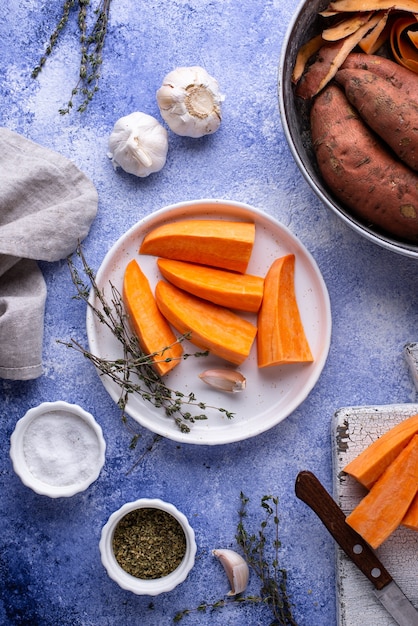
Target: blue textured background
column 50, row 569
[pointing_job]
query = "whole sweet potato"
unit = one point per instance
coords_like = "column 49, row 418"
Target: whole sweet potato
column 392, row 72
column 386, row 109
column 359, row 170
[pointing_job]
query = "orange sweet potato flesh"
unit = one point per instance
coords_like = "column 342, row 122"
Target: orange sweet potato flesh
column 211, row 326
column 151, row 328
column 281, row 337
column 410, row 519
column 224, row 244
column 381, row 511
column 243, row 292
column 368, row 466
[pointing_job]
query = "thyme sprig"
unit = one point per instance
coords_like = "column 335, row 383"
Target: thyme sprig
column 273, row 578
column 133, row 372
column 91, row 49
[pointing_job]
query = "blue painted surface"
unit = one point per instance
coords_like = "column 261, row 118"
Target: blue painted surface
column 50, row 569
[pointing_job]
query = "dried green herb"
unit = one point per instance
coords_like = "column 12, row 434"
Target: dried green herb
column 91, row 48
column 133, row 372
column 149, row 543
column 273, row 578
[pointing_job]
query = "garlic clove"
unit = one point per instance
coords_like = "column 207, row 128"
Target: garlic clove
column 224, row 380
column 190, row 102
column 137, row 151
column 236, row 569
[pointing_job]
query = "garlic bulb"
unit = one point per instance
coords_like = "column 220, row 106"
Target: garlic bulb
column 224, row 380
column 138, row 144
column 190, row 102
column 236, row 569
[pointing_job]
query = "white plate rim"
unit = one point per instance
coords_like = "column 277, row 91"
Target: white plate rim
column 203, row 433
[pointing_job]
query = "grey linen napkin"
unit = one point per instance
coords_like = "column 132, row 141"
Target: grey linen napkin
column 46, row 207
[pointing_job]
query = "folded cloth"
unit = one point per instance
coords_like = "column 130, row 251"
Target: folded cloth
column 46, row 207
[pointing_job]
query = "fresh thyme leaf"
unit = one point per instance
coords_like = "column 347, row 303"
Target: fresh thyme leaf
column 91, row 49
column 133, row 372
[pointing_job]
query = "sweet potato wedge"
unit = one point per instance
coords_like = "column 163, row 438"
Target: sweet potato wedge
column 224, row 244
column 211, row 327
column 359, row 170
column 381, row 511
column 385, row 109
column 243, row 292
column 410, row 519
column 370, row 464
column 281, row 337
column 151, row 328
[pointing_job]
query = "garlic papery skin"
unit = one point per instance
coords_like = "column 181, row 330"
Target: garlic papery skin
column 224, row 380
column 236, row 569
column 138, row 144
column 190, row 102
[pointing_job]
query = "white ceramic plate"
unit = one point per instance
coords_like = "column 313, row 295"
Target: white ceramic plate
column 272, row 393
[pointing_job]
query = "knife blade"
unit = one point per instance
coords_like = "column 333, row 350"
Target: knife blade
column 310, row 490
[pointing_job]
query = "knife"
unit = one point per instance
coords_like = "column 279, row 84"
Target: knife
column 309, row 489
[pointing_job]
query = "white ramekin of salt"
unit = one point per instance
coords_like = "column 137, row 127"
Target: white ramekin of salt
column 57, row 449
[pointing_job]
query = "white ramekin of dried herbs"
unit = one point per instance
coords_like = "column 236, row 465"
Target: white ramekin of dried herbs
column 57, row 449
column 148, row 547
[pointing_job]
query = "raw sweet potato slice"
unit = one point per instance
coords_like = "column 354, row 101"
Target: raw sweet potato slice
column 410, row 519
column 370, row 464
column 211, row 327
column 225, row 244
column 381, row 511
column 151, row 328
column 234, row 291
column 281, row 337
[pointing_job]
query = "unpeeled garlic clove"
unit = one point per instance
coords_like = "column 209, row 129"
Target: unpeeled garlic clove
column 190, row 102
column 236, row 569
column 224, row 380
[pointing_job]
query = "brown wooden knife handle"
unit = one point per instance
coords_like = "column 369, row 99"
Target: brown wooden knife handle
column 309, row 489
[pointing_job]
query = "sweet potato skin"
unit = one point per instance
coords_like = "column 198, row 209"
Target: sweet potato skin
column 393, row 73
column 360, row 172
column 385, row 109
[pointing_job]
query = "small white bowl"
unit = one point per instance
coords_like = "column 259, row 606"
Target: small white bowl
column 141, row 586
column 57, row 449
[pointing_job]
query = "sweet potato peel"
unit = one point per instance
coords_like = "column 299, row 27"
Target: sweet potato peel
column 330, row 58
column 368, row 24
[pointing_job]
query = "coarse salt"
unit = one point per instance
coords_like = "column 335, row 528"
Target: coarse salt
column 61, row 449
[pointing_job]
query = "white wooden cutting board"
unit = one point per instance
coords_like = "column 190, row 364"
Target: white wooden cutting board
column 353, row 429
